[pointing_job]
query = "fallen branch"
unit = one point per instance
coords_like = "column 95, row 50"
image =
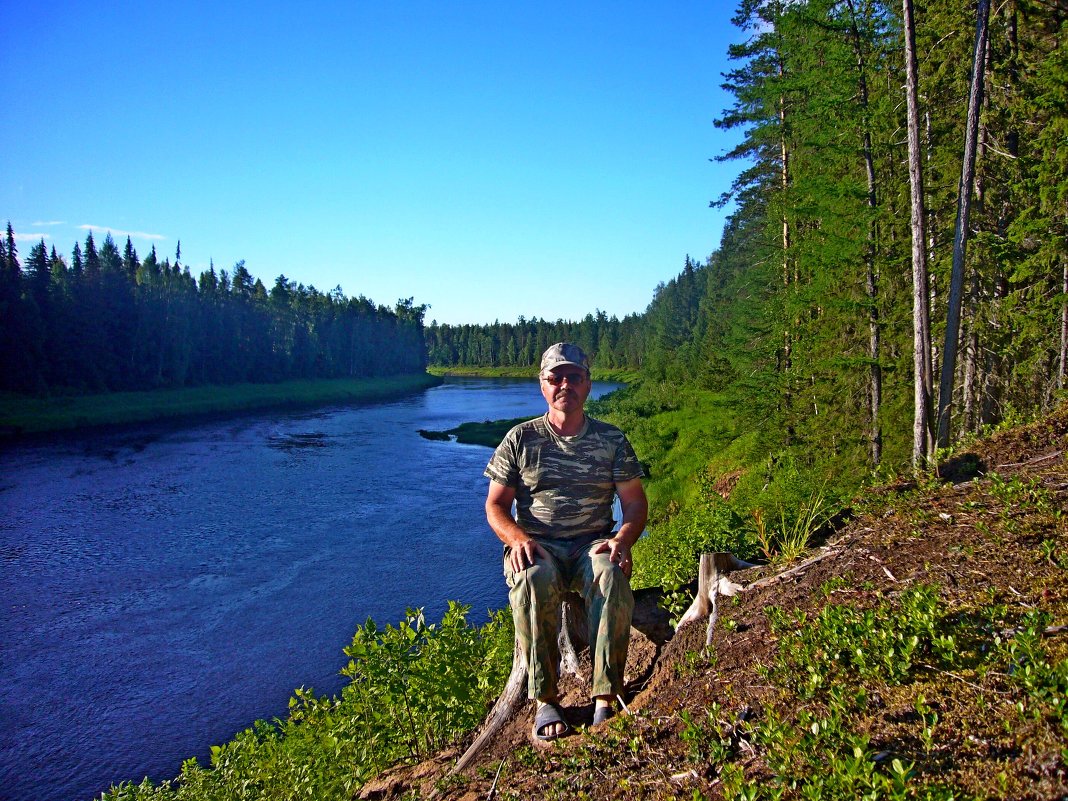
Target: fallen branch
column 1046, row 632
column 493, row 787
column 764, row 582
column 1036, row 460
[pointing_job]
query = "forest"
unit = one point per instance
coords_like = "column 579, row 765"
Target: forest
column 805, row 318
column 109, row 321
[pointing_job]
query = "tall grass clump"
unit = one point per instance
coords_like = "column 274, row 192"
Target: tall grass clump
column 786, row 505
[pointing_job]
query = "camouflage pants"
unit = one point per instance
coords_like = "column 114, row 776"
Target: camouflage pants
column 536, row 595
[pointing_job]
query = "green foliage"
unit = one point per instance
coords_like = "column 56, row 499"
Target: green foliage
column 412, row 685
column 1045, row 682
column 879, row 644
column 413, row 688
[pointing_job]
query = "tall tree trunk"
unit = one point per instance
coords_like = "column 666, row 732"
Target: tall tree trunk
column 1064, row 324
column 960, row 239
column 784, row 182
column 971, row 355
column 921, row 315
column 875, row 386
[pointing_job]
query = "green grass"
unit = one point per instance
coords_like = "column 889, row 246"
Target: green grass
column 21, row 415
column 677, row 432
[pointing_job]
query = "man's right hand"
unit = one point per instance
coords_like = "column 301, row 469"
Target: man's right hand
column 522, row 556
column 522, row 550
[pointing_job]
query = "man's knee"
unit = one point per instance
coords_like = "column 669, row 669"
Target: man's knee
column 537, row 587
column 608, row 579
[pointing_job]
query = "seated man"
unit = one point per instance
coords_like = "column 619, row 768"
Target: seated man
column 563, row 471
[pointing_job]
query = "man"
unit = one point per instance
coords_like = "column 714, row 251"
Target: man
column 563, row 471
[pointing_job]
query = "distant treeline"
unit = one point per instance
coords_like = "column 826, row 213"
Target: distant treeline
column 641, row 340
column 110, row 321
column 610, row 342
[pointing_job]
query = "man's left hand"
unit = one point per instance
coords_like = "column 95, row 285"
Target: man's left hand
column 618, row 552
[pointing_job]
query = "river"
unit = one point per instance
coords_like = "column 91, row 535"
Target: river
column 162, row 589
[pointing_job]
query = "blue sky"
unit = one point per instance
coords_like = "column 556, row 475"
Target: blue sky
column 490, row 159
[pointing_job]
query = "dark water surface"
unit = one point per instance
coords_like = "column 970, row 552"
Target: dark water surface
column 161, row 590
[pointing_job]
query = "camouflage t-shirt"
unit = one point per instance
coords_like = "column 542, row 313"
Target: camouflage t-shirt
column 564, row 486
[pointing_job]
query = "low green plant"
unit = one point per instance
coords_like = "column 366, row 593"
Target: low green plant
column 1044, row 681
column 928, row 720
column 875, row 644
column 707, row 740
column 413, row 688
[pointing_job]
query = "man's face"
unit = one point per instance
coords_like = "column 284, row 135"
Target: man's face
column 569, row 392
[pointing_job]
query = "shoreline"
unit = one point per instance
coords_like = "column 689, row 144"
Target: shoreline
column 621, row 375
column 24, row 419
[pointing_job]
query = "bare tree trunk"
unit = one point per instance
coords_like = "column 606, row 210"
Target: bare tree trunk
column 1064, row 325
column 930, row 219
column 971, row 355
column 960, row 239
column 921, row 316
column 875, row 386
column 784, row 182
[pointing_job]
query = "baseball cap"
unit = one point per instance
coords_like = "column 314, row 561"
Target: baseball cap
column 564, row 353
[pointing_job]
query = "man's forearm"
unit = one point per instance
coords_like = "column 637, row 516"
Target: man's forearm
column 635, row 515
column 504, row 525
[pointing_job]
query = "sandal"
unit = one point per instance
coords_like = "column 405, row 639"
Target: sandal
column 602, row 713
column 547, row 715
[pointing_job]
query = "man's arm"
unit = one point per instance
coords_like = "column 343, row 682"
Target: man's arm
column 499, row 515
column 635, row 513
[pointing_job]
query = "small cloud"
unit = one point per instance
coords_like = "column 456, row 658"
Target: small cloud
column 31, row 237
column 47, row 223
column 115, row 232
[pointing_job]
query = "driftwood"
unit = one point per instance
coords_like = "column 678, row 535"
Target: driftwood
column 793, row 570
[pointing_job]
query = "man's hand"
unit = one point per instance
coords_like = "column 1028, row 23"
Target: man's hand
column 522, row 550
column 618, row 552
column 635, row 511
column 522, row 556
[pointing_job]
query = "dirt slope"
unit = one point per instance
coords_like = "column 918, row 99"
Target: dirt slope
column 974, row 709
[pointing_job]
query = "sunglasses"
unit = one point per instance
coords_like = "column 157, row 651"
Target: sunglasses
column 571, row 378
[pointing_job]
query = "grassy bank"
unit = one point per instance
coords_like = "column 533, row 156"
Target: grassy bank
column 21, row 415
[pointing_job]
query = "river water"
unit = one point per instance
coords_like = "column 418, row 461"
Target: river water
column 163, row 589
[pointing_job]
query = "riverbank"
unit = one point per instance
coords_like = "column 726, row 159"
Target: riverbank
column 22, row 416
column 622, row 375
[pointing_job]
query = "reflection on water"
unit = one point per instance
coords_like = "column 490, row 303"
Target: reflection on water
column 163, row 589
